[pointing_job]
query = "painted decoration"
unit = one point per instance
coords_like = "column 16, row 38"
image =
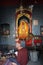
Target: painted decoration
column 4, row 29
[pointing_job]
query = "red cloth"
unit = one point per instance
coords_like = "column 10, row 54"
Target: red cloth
column 28, row 42
column 37, row 41
column 22, row 56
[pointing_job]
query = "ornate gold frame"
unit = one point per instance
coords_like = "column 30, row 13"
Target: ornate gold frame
column 19, row 14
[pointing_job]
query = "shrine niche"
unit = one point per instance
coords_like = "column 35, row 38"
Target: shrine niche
column 23, row 23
